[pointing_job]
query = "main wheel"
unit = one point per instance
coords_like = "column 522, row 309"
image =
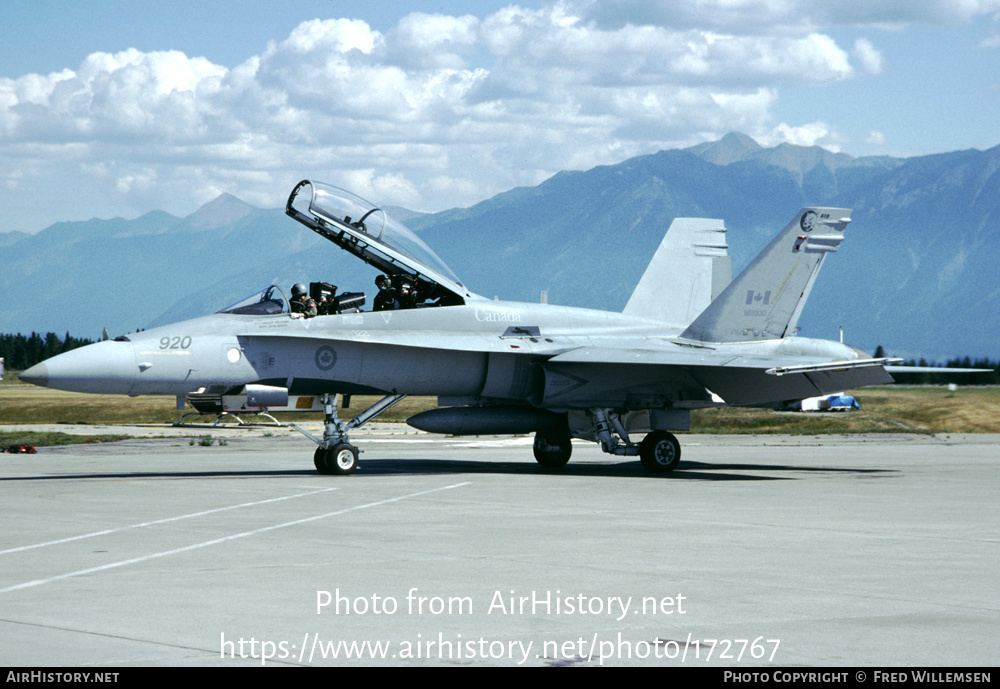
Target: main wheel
column 552, row 451
column 659, row 452
column 341, row 459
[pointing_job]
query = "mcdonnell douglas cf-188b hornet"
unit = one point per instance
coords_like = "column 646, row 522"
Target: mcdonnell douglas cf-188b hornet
column 690, row 337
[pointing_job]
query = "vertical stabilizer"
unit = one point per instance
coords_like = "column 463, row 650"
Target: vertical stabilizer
column 689, row 269
column 765, row 300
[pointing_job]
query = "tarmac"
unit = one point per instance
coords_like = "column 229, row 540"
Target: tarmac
column 758, row 551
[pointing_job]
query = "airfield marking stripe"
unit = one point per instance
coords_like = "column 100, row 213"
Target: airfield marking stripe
column 161, row 521
column 224, row 539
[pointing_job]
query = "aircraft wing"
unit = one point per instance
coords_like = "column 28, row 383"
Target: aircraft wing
column 695, row 377
column 832, row 366
column 934, row 369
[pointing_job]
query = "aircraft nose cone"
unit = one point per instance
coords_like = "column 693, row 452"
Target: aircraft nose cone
column 104, row 367
column 36, row 375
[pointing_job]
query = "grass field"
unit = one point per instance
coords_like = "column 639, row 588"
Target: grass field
column 884, row 409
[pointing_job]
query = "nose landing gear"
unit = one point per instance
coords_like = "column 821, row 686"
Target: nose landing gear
column 335, row 454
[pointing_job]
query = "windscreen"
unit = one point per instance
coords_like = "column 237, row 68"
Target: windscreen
column 264, row 303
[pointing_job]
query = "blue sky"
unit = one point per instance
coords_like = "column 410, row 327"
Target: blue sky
column 117, row 108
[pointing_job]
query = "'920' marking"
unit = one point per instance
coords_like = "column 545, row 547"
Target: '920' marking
column 175, row 342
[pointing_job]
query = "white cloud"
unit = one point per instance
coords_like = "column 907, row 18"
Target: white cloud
column 868, row 55
column 432, row 41
column 812, row 134
column 435, row 111
column 143, row 180
column 992, row 40
column 331, row 35
column 875, row 138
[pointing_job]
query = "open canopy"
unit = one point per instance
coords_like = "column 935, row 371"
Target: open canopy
column 365, row 230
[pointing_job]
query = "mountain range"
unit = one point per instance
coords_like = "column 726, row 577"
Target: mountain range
column 915, row 274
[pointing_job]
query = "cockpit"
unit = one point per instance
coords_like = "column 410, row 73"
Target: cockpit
column 414, row 276
column 273, row 300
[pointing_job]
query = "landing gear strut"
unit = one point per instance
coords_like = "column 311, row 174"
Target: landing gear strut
column 335, row 454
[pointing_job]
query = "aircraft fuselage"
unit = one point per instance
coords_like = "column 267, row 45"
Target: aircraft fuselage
column 495, row 350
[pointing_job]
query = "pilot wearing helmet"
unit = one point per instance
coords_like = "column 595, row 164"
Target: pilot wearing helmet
column 302, row 302
column 386, row 299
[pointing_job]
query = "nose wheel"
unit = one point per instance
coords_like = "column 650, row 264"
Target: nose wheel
column 341, row 459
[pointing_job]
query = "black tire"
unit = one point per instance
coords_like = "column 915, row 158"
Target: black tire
column 341, row 459
column 552, row 450
column 319, row 460
column 659, row 452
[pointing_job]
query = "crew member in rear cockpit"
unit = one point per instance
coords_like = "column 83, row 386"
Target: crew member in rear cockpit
column 386, row 299
column 302, row 302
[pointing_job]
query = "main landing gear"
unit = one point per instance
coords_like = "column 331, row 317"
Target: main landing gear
column 659, row 452
column 336, row 454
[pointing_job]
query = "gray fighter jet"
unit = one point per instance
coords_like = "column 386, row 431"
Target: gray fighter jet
column 690, row 337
